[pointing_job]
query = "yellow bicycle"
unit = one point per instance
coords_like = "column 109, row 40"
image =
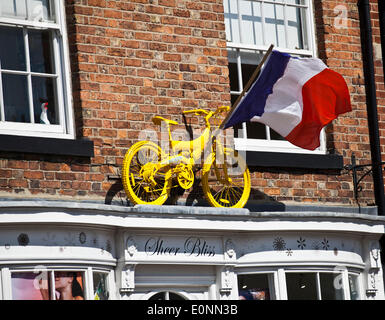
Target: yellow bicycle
column 149, row 173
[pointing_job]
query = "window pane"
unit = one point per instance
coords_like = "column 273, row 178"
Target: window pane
column 353, row 287
column 15, row 94
column 254, row 287
column 12, row 50
column 251, row 57
column 174, row 296
column 40, row 51
column 275, row 135
column 100, row 286
column 247, row 72
column 301, row 2
column 238, row 131
column 30, row 286
column 256, row 130
column 233, row 74
column 13, row 8
column 234, row 98
column 296, row 25
column 251, row 27
column 40, row 10
column 250, row 60
column 274, row 24
column 43, row 91
column 331, row 286
column 231, row 21
column 69, row 285
column 301, row 286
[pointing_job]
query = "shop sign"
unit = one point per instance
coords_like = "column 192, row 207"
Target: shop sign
column 192, row 246
column 157, row 247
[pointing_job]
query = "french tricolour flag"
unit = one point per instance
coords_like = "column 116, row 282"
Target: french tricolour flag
column 296, row 97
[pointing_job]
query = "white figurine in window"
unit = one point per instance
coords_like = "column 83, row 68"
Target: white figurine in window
column 43, row 114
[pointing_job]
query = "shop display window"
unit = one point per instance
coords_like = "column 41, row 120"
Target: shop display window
column 59, row 285
column 303, row 284
column 314, row 286
column 48, row 285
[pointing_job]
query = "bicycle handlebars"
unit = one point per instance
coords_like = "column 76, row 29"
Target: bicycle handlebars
column 208, row 114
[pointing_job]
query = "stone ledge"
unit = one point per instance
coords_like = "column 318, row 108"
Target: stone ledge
column 194, row 210
column 165, row 211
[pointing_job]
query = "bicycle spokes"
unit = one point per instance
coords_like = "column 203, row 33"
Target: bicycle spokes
column 142, row 181
column 227, row 184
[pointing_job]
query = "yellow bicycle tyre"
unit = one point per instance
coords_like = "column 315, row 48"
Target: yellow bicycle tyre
column 229, row 194
column 135, row 191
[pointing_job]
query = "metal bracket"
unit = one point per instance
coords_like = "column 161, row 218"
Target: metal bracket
column 355, row 168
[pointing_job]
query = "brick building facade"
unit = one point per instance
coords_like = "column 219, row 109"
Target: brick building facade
column 133, row 60
column 127, row 61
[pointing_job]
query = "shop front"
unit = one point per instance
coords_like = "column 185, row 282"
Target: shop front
column 68, row 250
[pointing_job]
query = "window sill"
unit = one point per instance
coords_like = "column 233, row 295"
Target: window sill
column 52, row 146
column 294, row 160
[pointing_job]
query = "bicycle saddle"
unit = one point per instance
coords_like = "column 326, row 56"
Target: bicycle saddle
column 158, row 120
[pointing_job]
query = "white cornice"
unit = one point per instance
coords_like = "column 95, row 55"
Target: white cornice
column 183, row 218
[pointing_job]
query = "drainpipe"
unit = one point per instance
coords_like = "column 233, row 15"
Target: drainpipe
column 381, row 14
column 371, row 102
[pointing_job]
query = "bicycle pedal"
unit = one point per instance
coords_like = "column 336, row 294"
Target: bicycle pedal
column 224, row 201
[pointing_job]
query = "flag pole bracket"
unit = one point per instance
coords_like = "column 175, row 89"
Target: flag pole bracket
column 355, row 168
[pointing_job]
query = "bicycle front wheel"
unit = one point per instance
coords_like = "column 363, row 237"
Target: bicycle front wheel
column 142, row 183
column 227, row 182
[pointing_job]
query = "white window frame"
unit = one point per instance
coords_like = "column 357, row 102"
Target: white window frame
column 65, row 129
column 267, row 145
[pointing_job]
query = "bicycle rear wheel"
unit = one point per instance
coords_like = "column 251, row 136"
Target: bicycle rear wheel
column 227, row 182
column 142, row 183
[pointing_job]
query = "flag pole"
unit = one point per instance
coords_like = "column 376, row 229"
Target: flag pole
column 248, row 85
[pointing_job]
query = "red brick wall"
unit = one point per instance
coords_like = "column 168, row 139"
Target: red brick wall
column 132, row 60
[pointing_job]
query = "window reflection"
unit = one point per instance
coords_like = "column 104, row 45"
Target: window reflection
column 40, row 10
column 353, row 287
column 301, row 286
column 40, row 51
column 331, row 286
column 166, row 295
column 35, row 10
column 15, row 98
column 13, row 8
column 67, row 285
column 100, row 286
column 30, row 286
column 12, row 50
column 254, row 287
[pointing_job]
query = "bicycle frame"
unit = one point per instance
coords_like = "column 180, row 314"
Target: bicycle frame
column 192, row 150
